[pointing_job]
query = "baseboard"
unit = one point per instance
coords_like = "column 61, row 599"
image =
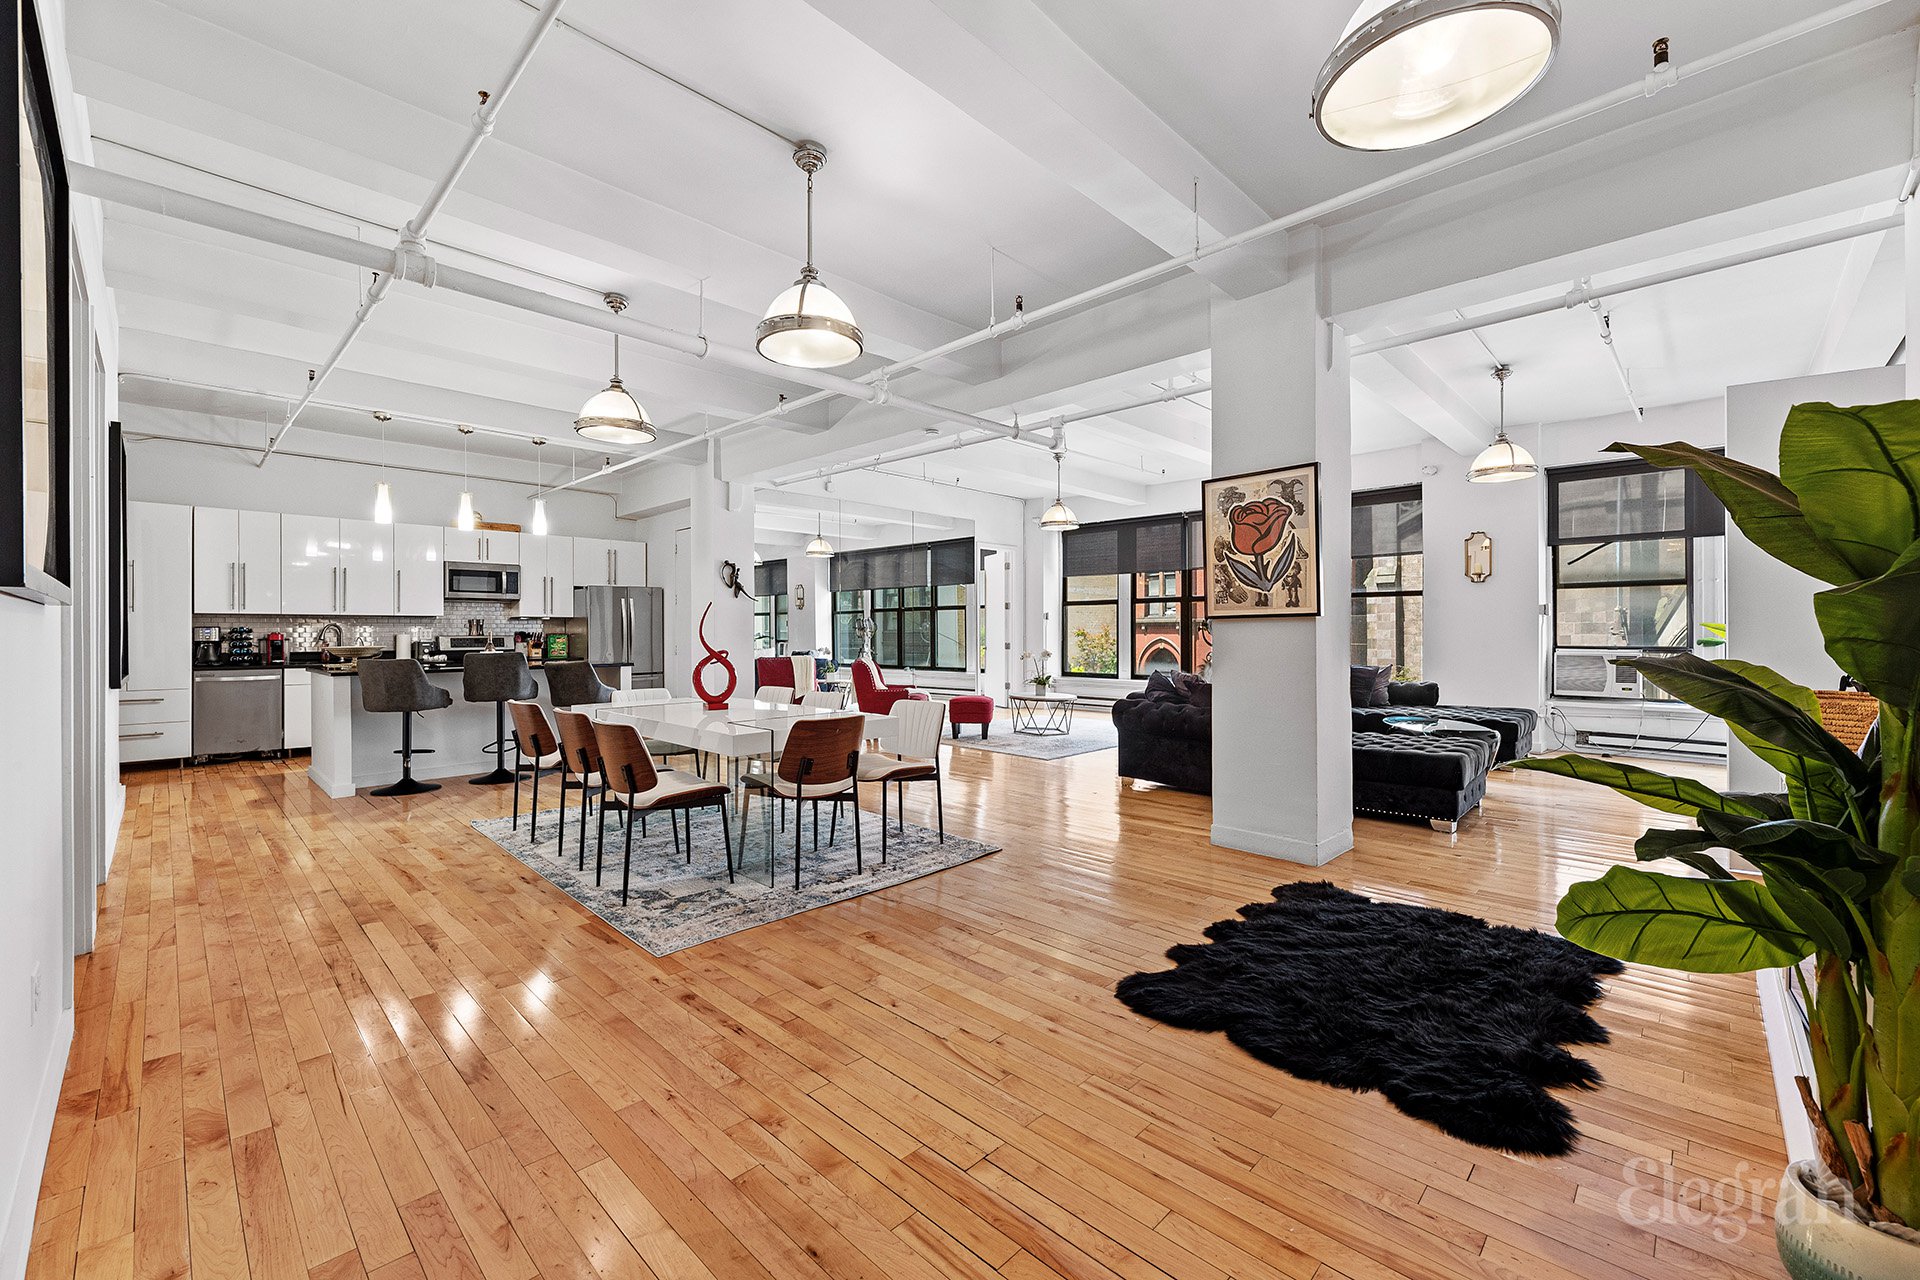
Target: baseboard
column 16, row 1239
column 116, row 814
column 1271, row 846
column 1791, row 1056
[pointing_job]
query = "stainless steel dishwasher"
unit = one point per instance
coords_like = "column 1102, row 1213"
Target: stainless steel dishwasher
column 237, row 711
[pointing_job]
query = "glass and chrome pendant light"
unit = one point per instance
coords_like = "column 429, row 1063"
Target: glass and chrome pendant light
column 539, row 525
column 1059, row 516
column 464, row 519
column 1503, row 460
column 808, row 326
column 383, row 492
column 820, row 548
column 1410, row 72
column 613, row 416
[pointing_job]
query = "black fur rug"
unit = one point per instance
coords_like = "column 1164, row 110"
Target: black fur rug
column 1457, row 1022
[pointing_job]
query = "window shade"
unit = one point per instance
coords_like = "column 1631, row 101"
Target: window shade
column 1387, row 522
column 921, row 564
column 1160, row 544
column 1630, row 500
column 770, row 579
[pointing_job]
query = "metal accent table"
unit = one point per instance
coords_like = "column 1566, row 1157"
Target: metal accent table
column 1041, row 714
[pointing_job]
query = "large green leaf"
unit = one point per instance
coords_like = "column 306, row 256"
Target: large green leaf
column 1872, row 630
column 1698, row 926
column 1780, row 732
column 1759, row 502
column 1815, row 791
column 1856, row 473
column 1683, row 796
column 1684, row 846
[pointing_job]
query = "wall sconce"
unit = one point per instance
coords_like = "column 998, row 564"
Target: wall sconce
column 1479, row 556
column 799, row 595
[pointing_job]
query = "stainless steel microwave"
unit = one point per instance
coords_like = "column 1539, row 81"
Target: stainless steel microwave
column 482, row 581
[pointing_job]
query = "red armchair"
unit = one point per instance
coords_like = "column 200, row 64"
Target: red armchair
column 776, row 671
column 875, row 696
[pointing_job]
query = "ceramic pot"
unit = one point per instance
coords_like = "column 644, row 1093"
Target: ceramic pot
column 1819, row 1242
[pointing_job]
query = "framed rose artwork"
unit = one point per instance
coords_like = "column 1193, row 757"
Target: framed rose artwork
column 1263, row 543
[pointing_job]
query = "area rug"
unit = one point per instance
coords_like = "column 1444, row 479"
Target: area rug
column 1455, row 1021
column 672, row 905
column 1092, row 731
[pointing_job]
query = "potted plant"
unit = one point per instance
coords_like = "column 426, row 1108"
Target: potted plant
column 1038, row 674
column 1838, row 854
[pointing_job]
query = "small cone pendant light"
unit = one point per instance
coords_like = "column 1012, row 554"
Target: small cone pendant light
column 539, row 501
column 464, row 519
column 383, row 492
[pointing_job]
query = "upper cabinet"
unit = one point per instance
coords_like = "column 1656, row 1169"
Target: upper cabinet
column 159, row 597
column 602, row 562
column 482, row 546
column 366, row 567
column 310, row 564
column 420, row 581
column 546, row 576
column 236, row 561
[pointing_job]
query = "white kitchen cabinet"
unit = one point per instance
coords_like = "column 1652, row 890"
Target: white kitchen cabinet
column 546, row 576
column 366, row 567
column 296, row 716
column 606, row 562
column 420, row 584
column 310, row 564
column 236, row 561
column 159, row 590
column 482, row 546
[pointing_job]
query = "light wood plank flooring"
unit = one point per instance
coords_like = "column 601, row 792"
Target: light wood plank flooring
column 352, row 1039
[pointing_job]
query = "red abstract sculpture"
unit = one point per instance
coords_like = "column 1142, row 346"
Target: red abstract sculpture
column 714, row 701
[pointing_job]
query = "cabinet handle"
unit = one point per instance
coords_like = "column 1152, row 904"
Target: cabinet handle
column 155, row 733
column 333, row 588
column 616, row 568
column 343, row 588
column 396, row 591
column 133, row 586
column 139, row 702
column 243, row 584
column 233, row 584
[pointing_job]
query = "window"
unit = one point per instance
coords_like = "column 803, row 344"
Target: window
column 770, row 607
column 908, row 604
column 1139, row 572
column 1389, row 581
column 1623, row 538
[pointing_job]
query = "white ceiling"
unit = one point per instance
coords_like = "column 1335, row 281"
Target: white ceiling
column 1053, row 143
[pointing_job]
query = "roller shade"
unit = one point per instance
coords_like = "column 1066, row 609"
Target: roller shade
column 1387, row 522
column 1609, row 501
column 1159, row 544
column 920, row 564
column 770, row 579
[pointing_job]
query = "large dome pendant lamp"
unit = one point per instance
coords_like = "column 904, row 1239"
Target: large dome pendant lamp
column 808, row 327
column 1410, row 72
column 613, row 416
column 1503, row 460
column 819, row 548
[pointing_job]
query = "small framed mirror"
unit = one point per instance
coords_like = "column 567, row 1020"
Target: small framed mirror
column 1479, row 556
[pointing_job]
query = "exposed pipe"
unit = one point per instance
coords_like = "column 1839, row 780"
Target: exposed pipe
column 1619, row 363
column 1582, row 293
column 1638, row 91
column 413, row 236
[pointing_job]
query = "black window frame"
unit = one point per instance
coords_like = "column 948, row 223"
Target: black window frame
column 901, row 615
column 1191, row 601
column 1703, row 517
column 774, row 610
column 1379, row 498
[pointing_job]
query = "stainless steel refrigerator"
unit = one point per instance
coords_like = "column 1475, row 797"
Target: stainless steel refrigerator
column 612, row 626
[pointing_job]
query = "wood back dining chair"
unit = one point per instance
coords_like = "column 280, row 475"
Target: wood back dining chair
column 535, row 744
column 580, row 757
column 820, row 761
column 626, row 765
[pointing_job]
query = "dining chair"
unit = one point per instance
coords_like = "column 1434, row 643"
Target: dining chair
column 580, row 756
column 824, row 700
column 535, row 743
column 627, row 769
column 910, row 754
column 819, row 762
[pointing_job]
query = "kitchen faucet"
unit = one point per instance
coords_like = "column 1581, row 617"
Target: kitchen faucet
column 321, row 636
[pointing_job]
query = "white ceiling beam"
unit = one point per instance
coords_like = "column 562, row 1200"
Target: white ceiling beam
column 1410, row 385
column 1847, row 288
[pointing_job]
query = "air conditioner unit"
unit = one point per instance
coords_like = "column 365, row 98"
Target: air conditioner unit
column 1591, row 673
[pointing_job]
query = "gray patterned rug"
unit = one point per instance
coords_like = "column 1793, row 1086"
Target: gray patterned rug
column 673, row 905
column 1092, row 731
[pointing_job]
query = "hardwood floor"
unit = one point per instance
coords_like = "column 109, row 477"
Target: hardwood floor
column 352, row 1040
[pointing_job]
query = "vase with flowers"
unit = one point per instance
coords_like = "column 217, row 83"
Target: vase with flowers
column 1038, row 670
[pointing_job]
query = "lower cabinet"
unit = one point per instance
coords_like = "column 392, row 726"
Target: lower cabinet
column 155, row 725
column 297, row 709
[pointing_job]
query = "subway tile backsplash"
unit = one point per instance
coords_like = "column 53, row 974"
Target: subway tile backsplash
column 303, row 630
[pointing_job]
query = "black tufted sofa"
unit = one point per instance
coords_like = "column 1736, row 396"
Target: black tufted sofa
column 1166, row 733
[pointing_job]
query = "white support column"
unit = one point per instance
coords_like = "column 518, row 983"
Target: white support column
column 810, row 626
column 722, row 531
column 1282, row 732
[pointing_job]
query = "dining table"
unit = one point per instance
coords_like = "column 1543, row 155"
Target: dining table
column 746, row 737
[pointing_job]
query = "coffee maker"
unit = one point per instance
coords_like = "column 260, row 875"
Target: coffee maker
column 276, row 649
column 206, row 646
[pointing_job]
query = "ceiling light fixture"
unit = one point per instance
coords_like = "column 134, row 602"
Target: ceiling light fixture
column 1410, row 72
column 613, row 416
column 1059, row 516
column 464, row 519
column 820, row 548
column 383, row 492
column 808, row 327
column 539, row 477
column 1503, row 460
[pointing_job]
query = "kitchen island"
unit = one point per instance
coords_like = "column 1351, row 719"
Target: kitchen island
column 355, row 748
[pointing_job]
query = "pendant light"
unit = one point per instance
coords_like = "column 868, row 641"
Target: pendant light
column 1503, row 460
column 613, row 416
column 383, row 492
column 464, row 520
column 1059, row 516
column 808, row 327
column 820, row 548
column 539, row 477
column 1409, row 72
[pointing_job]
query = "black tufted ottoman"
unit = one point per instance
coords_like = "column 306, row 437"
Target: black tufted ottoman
column 1440, row 777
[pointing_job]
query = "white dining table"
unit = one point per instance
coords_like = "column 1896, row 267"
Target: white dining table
column 748, row 734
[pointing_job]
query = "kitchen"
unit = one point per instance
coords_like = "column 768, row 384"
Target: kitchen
column 243, row 627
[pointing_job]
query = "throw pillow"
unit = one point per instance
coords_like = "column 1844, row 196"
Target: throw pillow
column 1362, row 681
column 1383, row 676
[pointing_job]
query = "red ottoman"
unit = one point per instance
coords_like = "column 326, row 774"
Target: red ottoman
column 970, row 708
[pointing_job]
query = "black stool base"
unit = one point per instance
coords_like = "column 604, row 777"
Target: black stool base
column 408, row 786
column 498, row 778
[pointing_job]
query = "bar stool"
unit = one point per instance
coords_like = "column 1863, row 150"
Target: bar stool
column 400, row 685
column 498, row 678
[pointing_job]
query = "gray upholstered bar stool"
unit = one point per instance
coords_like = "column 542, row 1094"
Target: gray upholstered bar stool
column 498, row 678
column 400, row 685
column 575, row 684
